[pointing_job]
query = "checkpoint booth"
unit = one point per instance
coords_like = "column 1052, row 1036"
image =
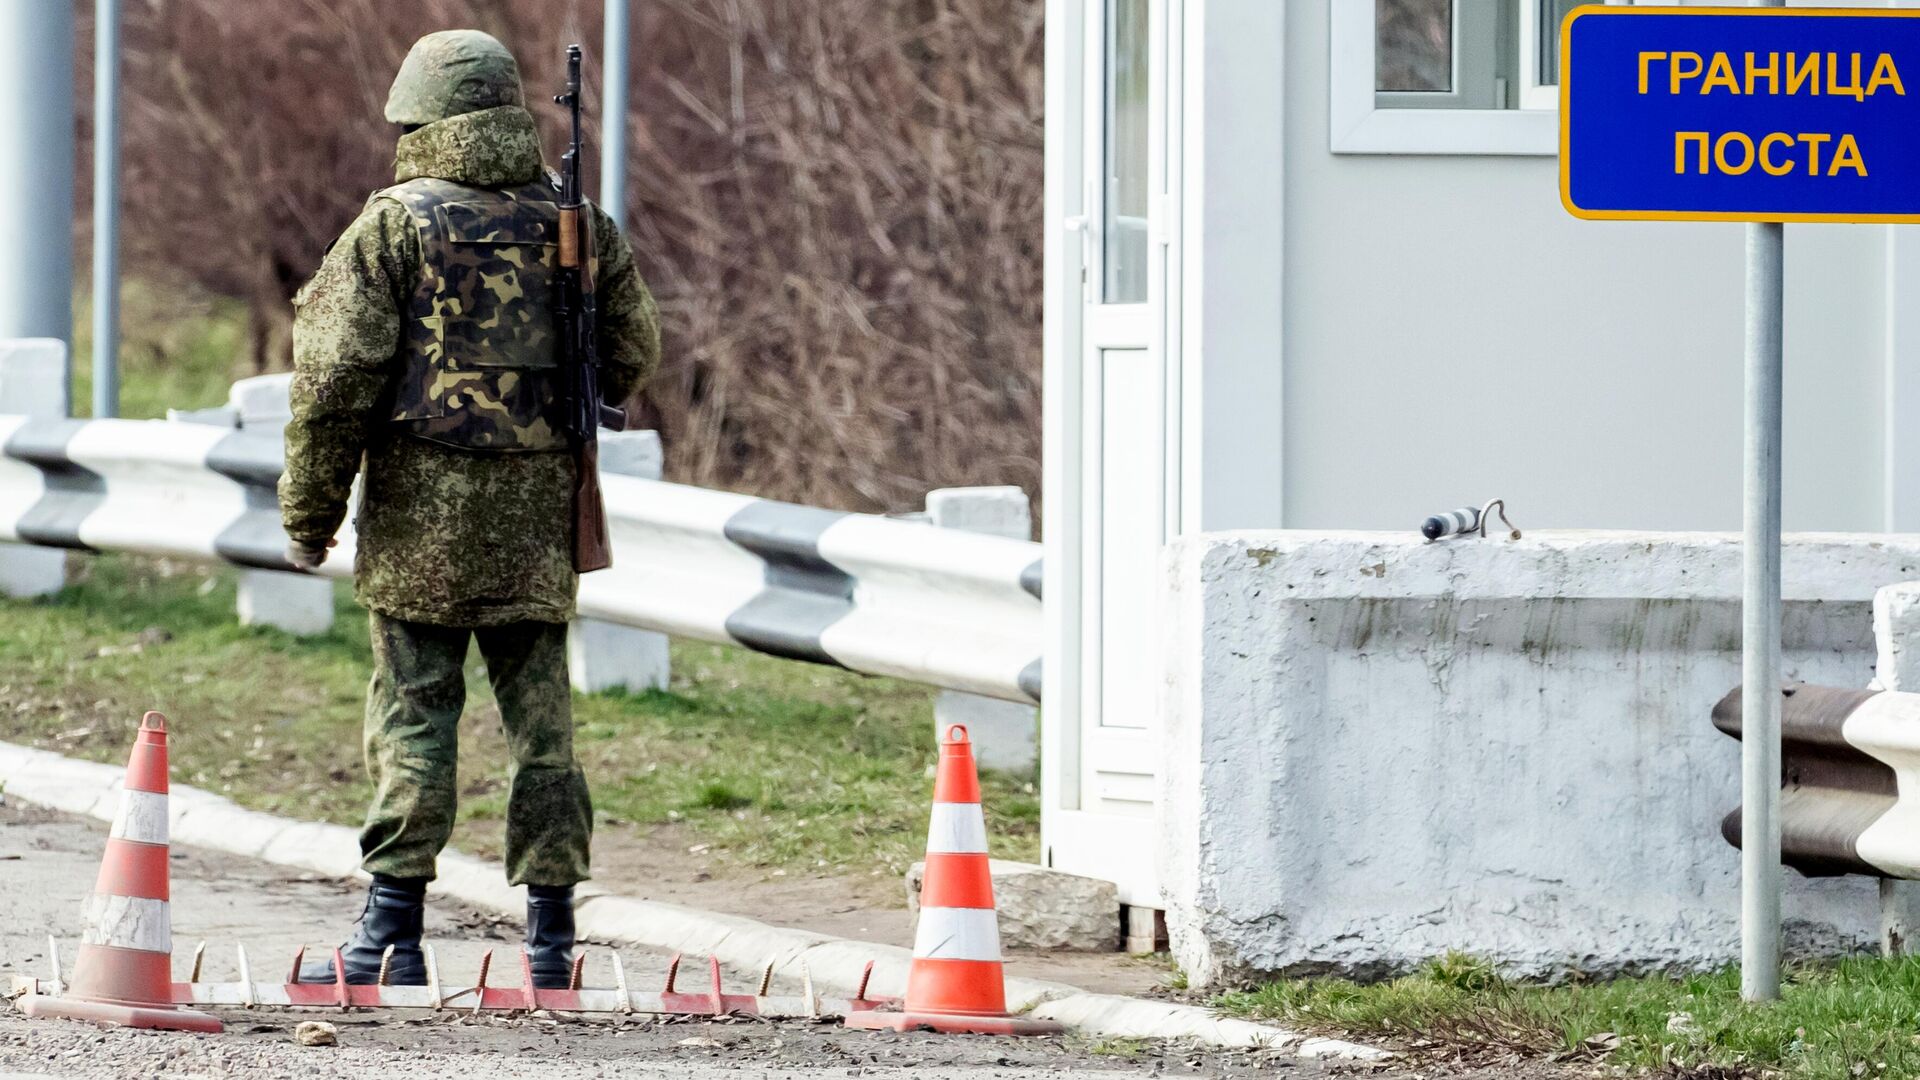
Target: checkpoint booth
column 1307, row 268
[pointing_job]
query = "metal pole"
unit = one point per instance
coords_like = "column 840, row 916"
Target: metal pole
column 1760, row 616
column 613, row 114
column 106, row 208
column 1760, row 623
column 36, row 169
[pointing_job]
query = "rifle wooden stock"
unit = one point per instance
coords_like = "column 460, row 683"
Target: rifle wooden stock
column 592, row 549
column 569, row 237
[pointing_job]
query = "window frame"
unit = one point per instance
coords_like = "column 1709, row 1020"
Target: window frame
column 1359, row 124
column 1472, row 76
column 1534, row 94
column 1113, row 224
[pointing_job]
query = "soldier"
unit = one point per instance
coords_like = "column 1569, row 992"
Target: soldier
column 425, row 346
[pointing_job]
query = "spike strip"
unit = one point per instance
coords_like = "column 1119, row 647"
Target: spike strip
column 199, row 955
column 675, row 1000
column 480, row 991
column 510, row 1000
column 293, row 973
column 620, row 984
column 339, row 995
column 386, row 967
column 579, row 969
column 433, row 976
column 340, row 977
column 246, row 975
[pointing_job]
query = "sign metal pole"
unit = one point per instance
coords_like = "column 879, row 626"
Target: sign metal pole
column 1760, row 614
column 1760, row 623
column 1766, row 115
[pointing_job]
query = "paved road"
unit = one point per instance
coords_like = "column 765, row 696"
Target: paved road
column 48, row 862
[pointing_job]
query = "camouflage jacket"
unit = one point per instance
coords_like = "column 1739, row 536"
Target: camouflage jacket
column 449, row 536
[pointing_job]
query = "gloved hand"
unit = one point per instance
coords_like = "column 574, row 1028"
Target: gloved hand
column 308, row 556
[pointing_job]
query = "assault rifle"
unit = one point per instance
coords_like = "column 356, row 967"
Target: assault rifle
column 574, row 318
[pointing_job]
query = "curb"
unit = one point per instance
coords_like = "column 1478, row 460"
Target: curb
column 203, row 819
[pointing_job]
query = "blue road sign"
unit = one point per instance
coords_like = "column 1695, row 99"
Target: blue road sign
column 1740, row 114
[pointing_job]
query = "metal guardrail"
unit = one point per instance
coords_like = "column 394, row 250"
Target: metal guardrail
column 871, row 594
column 1842, row 755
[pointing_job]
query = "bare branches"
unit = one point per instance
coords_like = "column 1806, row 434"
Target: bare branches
column 838, row 203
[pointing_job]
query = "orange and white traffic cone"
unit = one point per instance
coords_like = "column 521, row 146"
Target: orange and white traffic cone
column 124, row 973
column 957, row 983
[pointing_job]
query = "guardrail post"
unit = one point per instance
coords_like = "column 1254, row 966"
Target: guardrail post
column 296, row 603
column 33, row 382
column 1004, row 733
column 608, row 656
column 1896, row 631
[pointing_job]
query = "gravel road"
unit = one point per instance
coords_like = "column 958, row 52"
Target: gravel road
column 48, row 862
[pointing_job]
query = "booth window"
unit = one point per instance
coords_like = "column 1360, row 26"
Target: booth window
column 1468, row 54
column 1126, row 154
column 1440, row 54
column 1447, row 76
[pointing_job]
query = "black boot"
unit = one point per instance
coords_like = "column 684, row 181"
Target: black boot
column 550, row 935
column 396, row 908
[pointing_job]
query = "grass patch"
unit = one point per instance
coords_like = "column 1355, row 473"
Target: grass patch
column 178, row 349
column 1836, row 1021
column 1122, row 1047
column 771, row 763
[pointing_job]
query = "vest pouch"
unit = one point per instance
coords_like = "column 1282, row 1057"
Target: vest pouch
column 494, row 295
column 484, row 357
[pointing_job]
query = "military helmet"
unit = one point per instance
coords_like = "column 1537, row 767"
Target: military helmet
column 450, row 72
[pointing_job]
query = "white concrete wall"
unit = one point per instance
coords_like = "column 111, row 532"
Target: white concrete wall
column 1451, row 334
column 1379, row 749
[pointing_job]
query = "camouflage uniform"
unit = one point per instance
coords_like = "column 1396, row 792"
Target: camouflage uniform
column 423, row 347
column 413, row 719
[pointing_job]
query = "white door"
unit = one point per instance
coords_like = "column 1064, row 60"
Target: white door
column 1100, row 813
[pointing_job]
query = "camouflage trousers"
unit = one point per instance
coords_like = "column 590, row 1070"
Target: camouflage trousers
column 412, row 745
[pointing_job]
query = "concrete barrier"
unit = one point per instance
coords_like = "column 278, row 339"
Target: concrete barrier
column 1380, row 749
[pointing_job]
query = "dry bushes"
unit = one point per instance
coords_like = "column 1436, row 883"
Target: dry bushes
column 838, row 203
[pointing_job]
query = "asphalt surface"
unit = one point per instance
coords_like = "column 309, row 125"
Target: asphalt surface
column 48, row 863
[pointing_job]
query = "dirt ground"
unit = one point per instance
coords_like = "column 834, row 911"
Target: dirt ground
column 660, row 865
column 48, row 861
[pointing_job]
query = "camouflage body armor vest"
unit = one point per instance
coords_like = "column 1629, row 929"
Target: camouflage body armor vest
column 480, row 357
